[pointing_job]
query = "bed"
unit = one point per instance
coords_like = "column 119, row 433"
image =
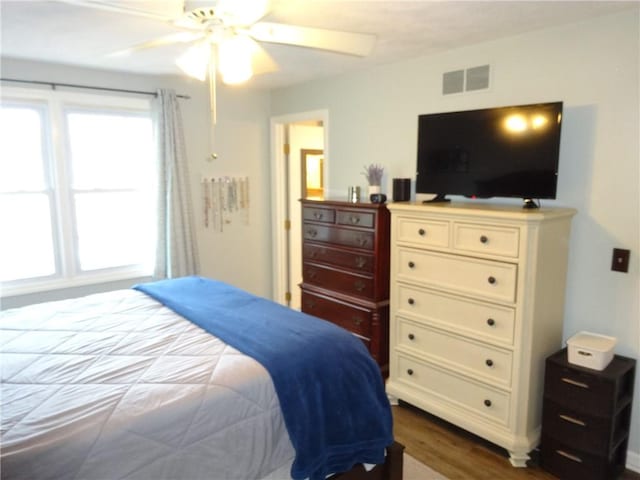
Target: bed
column 133, row 384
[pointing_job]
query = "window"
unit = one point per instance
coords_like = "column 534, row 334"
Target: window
column 77, row 189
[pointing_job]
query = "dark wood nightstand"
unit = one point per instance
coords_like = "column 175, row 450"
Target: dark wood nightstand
column 586, row 418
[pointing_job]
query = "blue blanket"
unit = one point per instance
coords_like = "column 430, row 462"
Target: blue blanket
column 330, row 389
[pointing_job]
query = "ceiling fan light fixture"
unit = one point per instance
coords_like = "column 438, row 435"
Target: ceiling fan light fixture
column 195, row 60
column 234, row 57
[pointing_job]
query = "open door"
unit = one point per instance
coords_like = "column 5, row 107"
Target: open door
column 299, row 167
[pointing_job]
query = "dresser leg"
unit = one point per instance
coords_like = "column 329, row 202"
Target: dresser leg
column 393, row 400
column 519, row 459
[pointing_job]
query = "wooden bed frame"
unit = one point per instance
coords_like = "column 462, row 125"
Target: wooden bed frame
column 391, row 469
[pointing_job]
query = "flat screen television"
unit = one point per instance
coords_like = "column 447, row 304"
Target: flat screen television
column 494, row 152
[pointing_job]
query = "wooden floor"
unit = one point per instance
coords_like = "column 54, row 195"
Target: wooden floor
column 457, row 454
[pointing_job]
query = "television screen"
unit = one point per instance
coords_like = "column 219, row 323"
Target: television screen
column 495, row 152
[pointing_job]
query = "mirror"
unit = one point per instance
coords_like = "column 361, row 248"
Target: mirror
column 312, row 173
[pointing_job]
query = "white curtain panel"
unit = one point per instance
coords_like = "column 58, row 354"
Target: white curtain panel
column 177, row 253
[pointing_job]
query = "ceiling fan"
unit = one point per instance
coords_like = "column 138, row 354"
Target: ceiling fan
column 224, row 37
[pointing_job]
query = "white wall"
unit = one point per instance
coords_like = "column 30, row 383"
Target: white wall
column 593, row 68
column 240, row 255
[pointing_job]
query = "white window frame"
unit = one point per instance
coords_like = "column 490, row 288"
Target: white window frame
column 56, row 104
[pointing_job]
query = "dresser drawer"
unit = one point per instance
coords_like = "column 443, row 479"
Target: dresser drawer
column 482, row 400
column 586, row 393
column 567, row 462
column 487, row 279
column 361, row 262
column 316, row 214
column 340, row 236
column 490, row 322
column 484, row 239
column 583, row 432
column 356, row 320
column 476, row 359
column 422, row 233
column 326, row 277
column 355, row 219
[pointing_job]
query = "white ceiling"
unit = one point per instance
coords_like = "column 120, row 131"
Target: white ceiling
column 59, row 32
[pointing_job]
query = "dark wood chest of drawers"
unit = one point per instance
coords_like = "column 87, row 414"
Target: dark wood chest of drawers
column 586, row 418
column 345, row 269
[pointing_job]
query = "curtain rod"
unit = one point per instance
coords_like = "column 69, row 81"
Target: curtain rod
column 71, row 85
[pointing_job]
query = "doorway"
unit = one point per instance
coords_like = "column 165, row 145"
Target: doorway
column 299, row 151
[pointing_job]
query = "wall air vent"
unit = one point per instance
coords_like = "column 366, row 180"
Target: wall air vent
column 453, row 82
column 471, row 79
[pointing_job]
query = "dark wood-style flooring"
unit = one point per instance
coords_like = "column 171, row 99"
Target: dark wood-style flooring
column 457, row 454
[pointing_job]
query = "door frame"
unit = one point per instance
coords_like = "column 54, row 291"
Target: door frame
column 280, row 193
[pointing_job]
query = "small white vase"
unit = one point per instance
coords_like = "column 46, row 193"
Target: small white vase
column 374, row 189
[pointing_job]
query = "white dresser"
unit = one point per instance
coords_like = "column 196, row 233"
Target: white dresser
column 477, row 303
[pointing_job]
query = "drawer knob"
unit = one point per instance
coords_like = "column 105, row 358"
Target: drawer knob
column 360, row 262
column 491, row 280
column 357, row 320
column 487, row 403
column 484, row 239
column 312, row 274
column 491, row 322
column 412, row 265
column 318, row 215
column 422, row 232
column 489, row 362
column 312, row 232
column 362, row 241
column 409, row 371
column 411, row 301
column 354, row 220
column 411, row 336
column 359, row 285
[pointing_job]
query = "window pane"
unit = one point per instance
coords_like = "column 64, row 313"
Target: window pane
column 114, row 229
column 110, row 151
column 26, row 246
column 21, row 164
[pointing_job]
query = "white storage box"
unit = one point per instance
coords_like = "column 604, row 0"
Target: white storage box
column 591, row 350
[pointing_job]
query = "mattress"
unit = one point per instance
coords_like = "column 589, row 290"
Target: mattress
column 116, row 385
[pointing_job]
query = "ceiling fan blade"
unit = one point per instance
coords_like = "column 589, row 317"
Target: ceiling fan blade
column 359, row 44
column 261, row 61
column 179, row 37
column 169, row 11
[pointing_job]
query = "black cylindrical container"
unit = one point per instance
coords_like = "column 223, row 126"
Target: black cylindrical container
column 401, row 189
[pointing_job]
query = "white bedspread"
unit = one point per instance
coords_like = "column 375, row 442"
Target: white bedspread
column 116, row 386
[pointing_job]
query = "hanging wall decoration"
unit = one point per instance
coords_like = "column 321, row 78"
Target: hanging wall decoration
column 225, row 201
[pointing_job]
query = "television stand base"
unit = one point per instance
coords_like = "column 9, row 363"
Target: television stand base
column 440, row 197
column 529, row 203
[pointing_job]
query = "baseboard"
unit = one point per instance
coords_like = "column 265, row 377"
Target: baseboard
column 633, row 461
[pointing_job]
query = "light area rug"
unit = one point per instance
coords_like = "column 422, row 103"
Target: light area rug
column 415, row 470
